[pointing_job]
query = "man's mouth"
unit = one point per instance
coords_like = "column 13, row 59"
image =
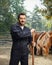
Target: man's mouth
column 22, row 21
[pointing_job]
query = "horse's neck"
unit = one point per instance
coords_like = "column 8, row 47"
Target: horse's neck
column 36, row 36
column 51, row 39
column 41, row 35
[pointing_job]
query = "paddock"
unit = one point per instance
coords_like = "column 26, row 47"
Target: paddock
column 38, row 60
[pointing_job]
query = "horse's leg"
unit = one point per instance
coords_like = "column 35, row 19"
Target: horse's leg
column 30, row 49
column 38, row 50
column 45, row 51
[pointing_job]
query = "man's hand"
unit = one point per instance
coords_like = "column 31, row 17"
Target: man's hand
column 33, row 44
column 32, row 31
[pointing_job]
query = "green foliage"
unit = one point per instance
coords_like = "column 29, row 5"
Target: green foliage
column 36, row 19
column 9, row 9
column 48, row 10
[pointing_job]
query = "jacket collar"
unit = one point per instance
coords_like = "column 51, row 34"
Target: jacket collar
column 17, row 24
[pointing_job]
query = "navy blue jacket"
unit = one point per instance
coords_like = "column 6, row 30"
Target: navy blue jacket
column 21, row 38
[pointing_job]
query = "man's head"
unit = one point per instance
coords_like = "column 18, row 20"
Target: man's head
column 22, row 19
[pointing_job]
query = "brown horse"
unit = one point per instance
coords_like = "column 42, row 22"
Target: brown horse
column 36, row 36
column 44, row 42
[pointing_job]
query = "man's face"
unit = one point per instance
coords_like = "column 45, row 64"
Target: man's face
column 22, row 20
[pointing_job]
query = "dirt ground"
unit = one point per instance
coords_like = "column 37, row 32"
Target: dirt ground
column 38, row 60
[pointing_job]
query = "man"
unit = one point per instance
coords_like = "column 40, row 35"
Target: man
column 21, row 37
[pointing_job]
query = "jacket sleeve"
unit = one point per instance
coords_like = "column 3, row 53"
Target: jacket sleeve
column 13, row 34
column 30, row 39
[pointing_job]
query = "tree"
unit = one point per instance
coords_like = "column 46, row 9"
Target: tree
column 36, row 19
column 9, row 9
column 48, row 10
column 4, row 7
column 17, row 6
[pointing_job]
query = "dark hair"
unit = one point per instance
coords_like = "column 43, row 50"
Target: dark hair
column 21, row 14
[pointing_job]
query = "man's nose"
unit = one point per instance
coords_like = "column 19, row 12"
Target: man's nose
column 23, row 20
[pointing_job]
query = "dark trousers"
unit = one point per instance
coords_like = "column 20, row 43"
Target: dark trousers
column 16, row 57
